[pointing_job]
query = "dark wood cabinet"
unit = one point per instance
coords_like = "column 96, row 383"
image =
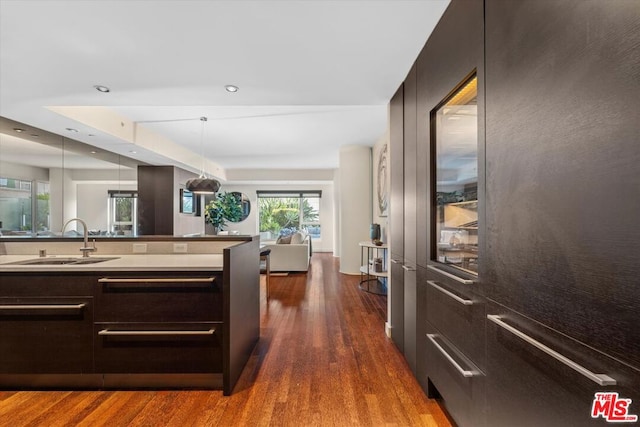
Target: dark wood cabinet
column 410, row 213
column 409, row 311
column 166, row 347
column 46, row 335
column 158, row 323
column 133, row 328
column 549, row 322
column 396, row 174
column 454, row 380
column 458, row 313
column 422, row 371
column 158, row 297
column 537, row 376
column 423, row 160
column 397, row 302
column 396, row 217
column 410, row 165
column 563, row 162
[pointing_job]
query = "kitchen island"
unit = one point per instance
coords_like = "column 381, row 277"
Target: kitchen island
column 153, row 320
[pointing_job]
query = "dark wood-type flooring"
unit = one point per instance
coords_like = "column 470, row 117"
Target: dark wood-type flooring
column 323, row 360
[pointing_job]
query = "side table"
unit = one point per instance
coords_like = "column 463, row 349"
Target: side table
column 371, row 280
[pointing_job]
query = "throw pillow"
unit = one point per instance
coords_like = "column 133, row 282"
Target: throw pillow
column 296, row 238
column 284, row 240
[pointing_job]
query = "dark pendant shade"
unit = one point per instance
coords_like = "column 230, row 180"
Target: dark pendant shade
column 203, row 185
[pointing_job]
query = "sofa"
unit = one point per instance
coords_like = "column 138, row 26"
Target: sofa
column 291, row 253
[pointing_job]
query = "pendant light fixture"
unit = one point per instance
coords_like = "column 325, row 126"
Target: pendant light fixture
column 202, row 184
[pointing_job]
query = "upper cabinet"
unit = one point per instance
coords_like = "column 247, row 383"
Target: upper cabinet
column 396, row 174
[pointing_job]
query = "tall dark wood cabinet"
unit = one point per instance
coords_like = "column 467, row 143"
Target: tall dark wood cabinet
column 410, row 214
column 396, row 216
column 423, row 209
column 563, row 201
column 526, row 311
column 155, row 200
column 452, row 350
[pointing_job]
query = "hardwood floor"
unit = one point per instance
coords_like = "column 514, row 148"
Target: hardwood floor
column 323, row 360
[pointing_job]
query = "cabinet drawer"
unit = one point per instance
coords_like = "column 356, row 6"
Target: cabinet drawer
column 35, row 329
column 158, row 347
column 454, row 379
column 537, row 376
column 458, row 313
column 138, row 298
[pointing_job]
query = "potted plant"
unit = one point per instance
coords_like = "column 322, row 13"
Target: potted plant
column 224, row 207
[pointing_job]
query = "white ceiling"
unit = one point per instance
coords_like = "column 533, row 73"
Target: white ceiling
column 314, row 75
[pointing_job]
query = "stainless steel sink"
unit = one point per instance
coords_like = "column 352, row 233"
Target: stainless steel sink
column 63, row 261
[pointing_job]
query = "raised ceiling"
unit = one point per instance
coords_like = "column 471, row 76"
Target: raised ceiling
column 313, row 75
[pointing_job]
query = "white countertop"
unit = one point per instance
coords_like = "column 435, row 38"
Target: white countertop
column 142, row 262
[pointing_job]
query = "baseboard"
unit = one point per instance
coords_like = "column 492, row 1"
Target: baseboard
column 387, row 329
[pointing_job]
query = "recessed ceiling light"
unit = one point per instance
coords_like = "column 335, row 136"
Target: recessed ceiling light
column 18, row 130
column 231, row 88
column 102, row 89
column 94, row 152
column 72, row 130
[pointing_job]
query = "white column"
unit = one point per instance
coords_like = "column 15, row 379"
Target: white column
column 355, row 204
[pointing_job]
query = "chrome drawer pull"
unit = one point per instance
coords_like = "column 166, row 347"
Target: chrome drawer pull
column 450, row 276
column 450, row 294
column 43, row 307
column 407, row 268
column 133, row 333
column 395, row 261
column 600, row 379
column 463, row 372
column 158, row 280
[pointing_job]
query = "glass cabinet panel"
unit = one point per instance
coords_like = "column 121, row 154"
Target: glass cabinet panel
column 455, row 124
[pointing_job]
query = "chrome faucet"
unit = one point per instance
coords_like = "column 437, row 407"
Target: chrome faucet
column 86, row 248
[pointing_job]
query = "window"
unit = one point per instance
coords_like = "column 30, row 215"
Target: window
column 284, row 212
column 43, row 207
column 16, row 206
column 123, row 213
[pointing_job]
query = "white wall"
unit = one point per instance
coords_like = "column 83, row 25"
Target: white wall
column 63, row 202
column 93, row 200
column 355, row 204
column 25, row 172
column 184, row 223
column 250, row 225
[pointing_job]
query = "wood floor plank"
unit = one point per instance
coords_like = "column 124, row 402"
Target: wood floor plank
column 323, row 360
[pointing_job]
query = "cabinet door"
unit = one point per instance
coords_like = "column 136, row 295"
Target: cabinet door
column 397, row 302
column 396, row 173
column 410, row 173
column 147, row 297
column 46, row 335
column 455, row 380
column 530, row 381
column 423, row 160
column 563, row 162
column 421, row 327
column 458, row 313
column 410, row 306
column 158, row 347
